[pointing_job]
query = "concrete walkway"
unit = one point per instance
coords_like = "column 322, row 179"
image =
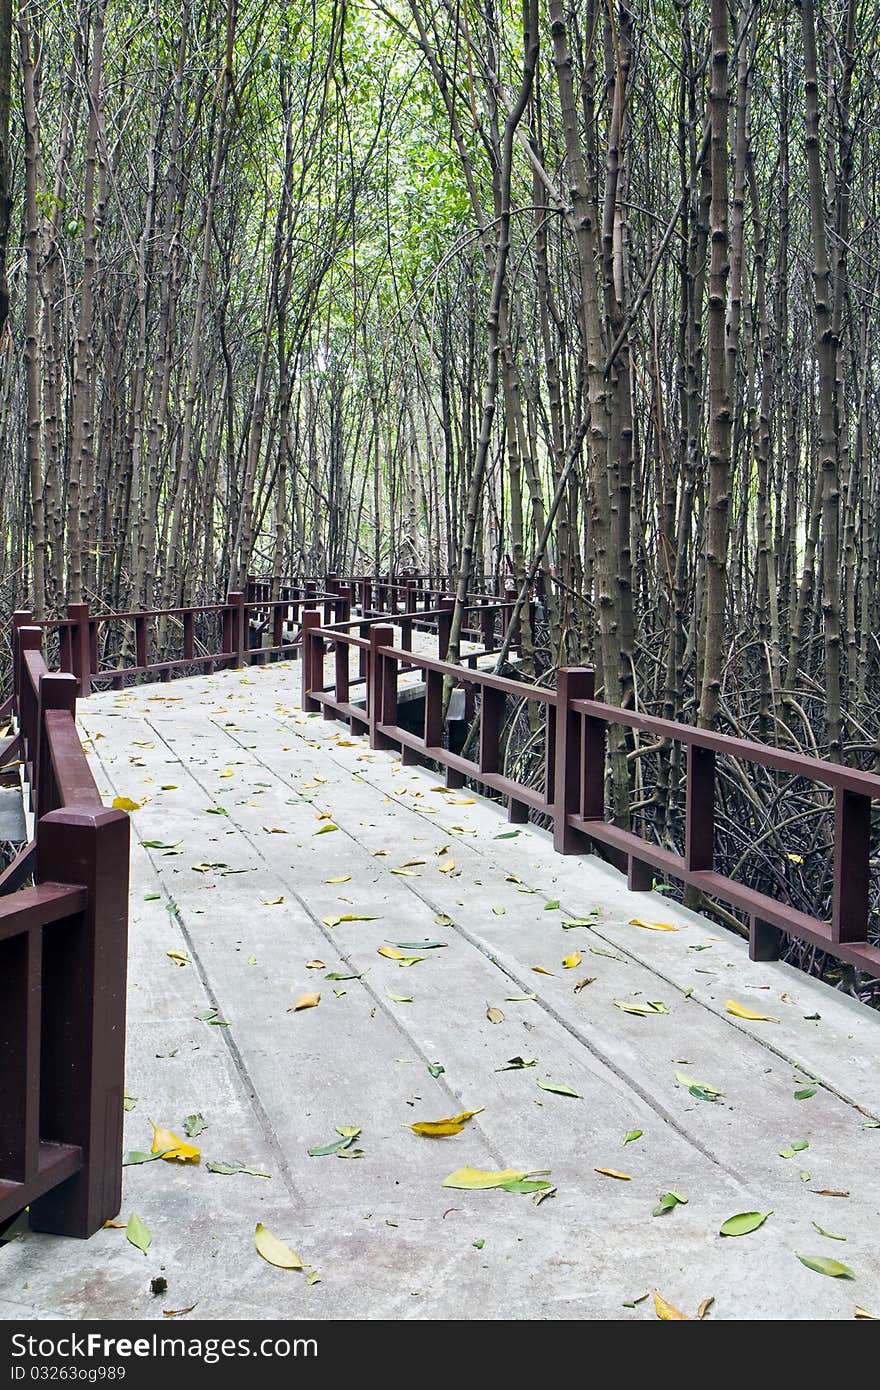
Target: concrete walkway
column 231, row 873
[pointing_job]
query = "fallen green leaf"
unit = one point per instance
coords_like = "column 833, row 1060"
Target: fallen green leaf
column 823, row 1264
column 557, row 1089
column 137, row 1233
column 822, row 1232
column 744, row 1222
column 229, row 1168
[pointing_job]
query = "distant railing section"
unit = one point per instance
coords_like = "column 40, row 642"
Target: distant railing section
column 63, row 970
column 259, row 624
column 573, row 794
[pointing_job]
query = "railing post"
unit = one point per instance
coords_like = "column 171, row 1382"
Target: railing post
column 342, row 673
column 699, row 831
column 82, row 1071
column 82, row 646
column 433, row 709
column 57, row 692
column 343, row 603
column 28, row 639
column 311, row 619
column 188, row 635
column 572, row 683
column 141, row 653
column 487, row 623
column 379, row 681
column 765, row 940
column 491, row 715
column 21, row 618
column 236, row 636
column 852, row 873
column 444, row 625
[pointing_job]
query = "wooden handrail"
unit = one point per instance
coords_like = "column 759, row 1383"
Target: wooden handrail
column 573, row 798
column 62, row 992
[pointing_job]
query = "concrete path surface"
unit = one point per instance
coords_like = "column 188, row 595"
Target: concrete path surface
column 237, row 872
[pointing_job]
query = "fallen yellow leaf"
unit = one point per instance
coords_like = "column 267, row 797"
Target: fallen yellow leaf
column 447, row 866
column 478, row 1179
column 391, row 952
column 573, row 961
column 172, row 1148
column 666, row 1312
column 179, row 957
column 307, row 1001
column 439, row 1129
column 494, row 1015
column 539, row 970
column 125, row 803
column 740, row 1011
column 274, row 1251
column 613, row 1173
column 652, row 926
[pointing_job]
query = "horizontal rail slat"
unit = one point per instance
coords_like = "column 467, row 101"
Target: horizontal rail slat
column 31, row 908
column 815, row 769
column 520, row 689
column 73, row 776
column 55, row 1164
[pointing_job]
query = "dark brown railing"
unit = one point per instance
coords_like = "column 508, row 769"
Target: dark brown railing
column 573, row 794
column 63, row 946
column 63, row 940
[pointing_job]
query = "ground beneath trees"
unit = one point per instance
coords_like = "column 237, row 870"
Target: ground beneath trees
column 235, row 871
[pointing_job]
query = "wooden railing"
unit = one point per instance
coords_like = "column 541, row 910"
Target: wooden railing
column 251, row 627
column 63, row 954
column 572, row 797
column 63, row 940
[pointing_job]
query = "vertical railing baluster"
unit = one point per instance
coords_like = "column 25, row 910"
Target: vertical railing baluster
column 433, row 709
column 852, row 873
column 444, row 625
column 82, row 646
column 20, row 1011
column 491, row 716
column 311, row 620
column 378, row 684
column 699, row 831
column 565, row 796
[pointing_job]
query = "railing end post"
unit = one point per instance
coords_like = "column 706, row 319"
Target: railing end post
column 84, row 994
